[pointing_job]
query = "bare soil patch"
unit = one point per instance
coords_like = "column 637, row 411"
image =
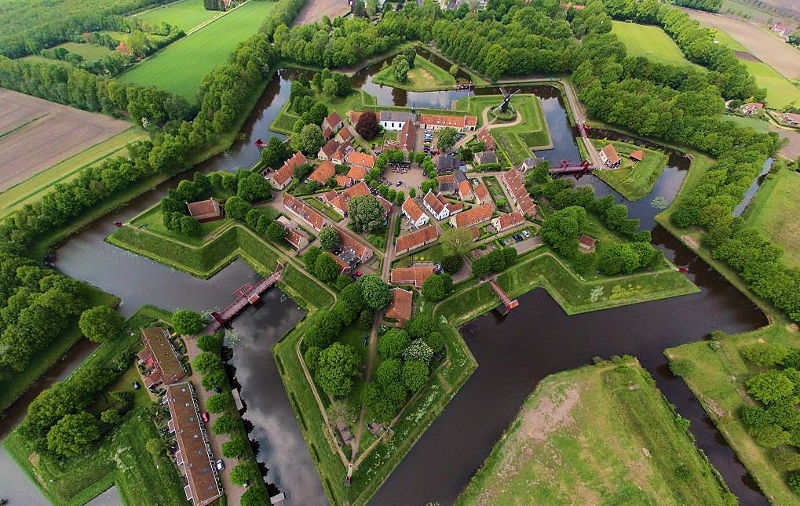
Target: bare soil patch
column 765, row 45
column 745, row 56
column 40, row 133
column 315, row 9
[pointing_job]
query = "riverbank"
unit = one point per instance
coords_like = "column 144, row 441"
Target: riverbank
column 601, row 430
column 424, row 76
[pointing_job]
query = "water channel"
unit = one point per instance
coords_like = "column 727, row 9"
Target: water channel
column 513, row 353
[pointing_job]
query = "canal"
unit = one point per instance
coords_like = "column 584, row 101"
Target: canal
column 513, row 353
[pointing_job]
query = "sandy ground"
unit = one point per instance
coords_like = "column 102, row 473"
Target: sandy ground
column 315, row 9
column 792, row 149
column 768, row 47
column 36, row 134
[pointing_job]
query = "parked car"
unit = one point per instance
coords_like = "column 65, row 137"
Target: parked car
column 502, row 242
column 204, row 416
column 399, row 183
column 526, row 233
column 136, row 385
column 220, row 465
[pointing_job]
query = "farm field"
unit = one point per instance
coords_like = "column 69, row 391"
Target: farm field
column 765, row 45
column 774, row 213
column 424, row 76
column 596, row 435
column 28, row 190
column 36, row 134
column 633, row 181
column 185, row 14
column 717, row 379
column 780, row 91
column 181, row 66
column 648, row 41
column 315, row 9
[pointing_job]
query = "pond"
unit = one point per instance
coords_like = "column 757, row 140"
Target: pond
column 514, row 353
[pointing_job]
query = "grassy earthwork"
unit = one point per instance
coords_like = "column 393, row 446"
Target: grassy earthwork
column 425, row 76
column 355, row 101
column 181, row 66
column 648, row 41
column 632, row 180
column 598, row 434
column 774, row 212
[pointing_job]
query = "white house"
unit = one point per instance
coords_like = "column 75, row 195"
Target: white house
column 414, row 214
column 394, row 120
column 435, row 205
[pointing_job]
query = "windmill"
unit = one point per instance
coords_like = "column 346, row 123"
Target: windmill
column 506, row 100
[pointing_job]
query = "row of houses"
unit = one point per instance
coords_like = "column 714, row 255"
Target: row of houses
column 515, row 184
column 394, row 121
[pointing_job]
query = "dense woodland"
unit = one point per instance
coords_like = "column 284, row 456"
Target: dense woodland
column 703, row 5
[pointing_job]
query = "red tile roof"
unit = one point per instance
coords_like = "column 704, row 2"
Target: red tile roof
column 481, row 192
column 486, row 138
column 344, row 135
column 330, row 147
column 435, row 203
column 411, row 275
column 405, row 140
column 323, row 172
column 611, row 154
column 448, row 121
column 305, row 211
column 286, row 172
column 158, row 347
column 343, row 180
column 464, row 189
column 506, row 221
column 357, row 172
column 400, row 306
column 515, row 183
column 416, row 239
column 362, row 159
column 412, row 209
column 331, row 121
column 477, row 214
column 204, row 209
column 587, row 240
column 638, row 155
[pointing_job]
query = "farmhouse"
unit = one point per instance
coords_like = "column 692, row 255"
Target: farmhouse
column 294, row 236
column 506, row 221
column 486, row 138
column 438, row 206
column 400, row 306
column 416, row 239
column 414, row 214
column 437, row 121
column 482, row 193
column 586, row 244
column 194, row 451
column 752, row 108
column 465, row 190
column 470, row 217
column 350, row 252
column 304, row 212
column 281, row 178
column 415, row 275
column 485, row 157
column 394, row 120
column 515, row 185
column 323, row 173
column 609, row 156
column 344, row 135
column 160, row 361
column 636, row 156
column 359, row 160
column 339, row 200
column 205, row 210
column 327, row 151
column 331, row 124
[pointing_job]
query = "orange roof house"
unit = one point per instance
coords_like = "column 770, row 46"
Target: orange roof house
column 586, row 244
column 416, row 239
column 304, row 211
column 364, row 160
column 281, row 178
column 609, row 156
column 415, row 275
column 400, row 306
column 323, row 172
column 205, row 210
column 437, row 121
column 515, row 184
column 482, row 193
column 415, row 215
column 465, row 190
column 637, row 156
column 470, row 217
column 506, row 221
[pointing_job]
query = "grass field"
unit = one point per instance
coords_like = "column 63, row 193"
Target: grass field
column 759, row 125
column 355, row 101
column 596, row 435
column 181, row 66
column 632, row 181
column 185, row 14
column 425, row 76
column 780, row 91
column 774, row 212
column 89, row 52
column 648, row 41
column 718, row 382
column 30, row 189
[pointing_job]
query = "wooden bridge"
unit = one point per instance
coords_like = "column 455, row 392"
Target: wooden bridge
column 567, row 167
column 247, row 294
column 508, row 302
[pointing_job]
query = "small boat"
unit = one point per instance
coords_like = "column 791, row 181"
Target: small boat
column 260, row 144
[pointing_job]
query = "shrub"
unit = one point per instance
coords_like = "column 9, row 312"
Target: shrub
column 770, row 436
column 209, row 343
column 393, row 343
column 389, row 371
column 452, row 263
column 225, row 424
column 435, row 341
column 794, row 482
column 187, row 322
column 343, row 281
column 418, row 350
column 218, row 403
column 785, row 458
column 234, row 448
column 415, row 375
column 100, row 323
column 765, row 354
column 682, row 368
column 770, row 387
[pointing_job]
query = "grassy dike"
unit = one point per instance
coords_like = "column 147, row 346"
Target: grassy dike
column 598, row 434
column 425, row 76
column 632, row 181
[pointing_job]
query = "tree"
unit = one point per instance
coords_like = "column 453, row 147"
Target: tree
column 255, row 496
column 329, row 88
column 210, row 343
column 400, row 69
column 453, row 70
column 275, row 153
column 452, row 263
column 794, row 482
column 323, row 327
column 418, row 350
column 338, row 364
column 374, row 291
column 343, row 281
column 254, row 187
column 436, row 287
column 770, row 387
column 73, row 435
column 245, row 473
column 207, row 362
column 415, row 375
column 276, row 232
column 309, row 140
column 381, row 400
column 329, row 238
column 225, row 424
column 617, row 258
column 156, row 446
column 100, row 323
column 367, row 125
column 366, row 213
column 682, row 368
column 393, row 343
column 561, row 229
column 421, row 325
column 187, row 322
column 214, row 380
column 785, row 458
column 435, row 341
column 410, row 55
column 326, row 268
column 218, row 403
column 447, row 138
column 765, row 354
column 456, row 241
column 236, row 208
column 234, row 448
column 389, row 371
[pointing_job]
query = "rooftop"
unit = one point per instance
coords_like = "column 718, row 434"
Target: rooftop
column 400, row 306
column 416, row 239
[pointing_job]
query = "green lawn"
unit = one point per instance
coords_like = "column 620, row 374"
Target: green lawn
column 775, row 212
column 185, row 14
column 723, row 38
column 355, row 101
column 759, row 125
column 648, row 41
column 718, row 382
column 596, row 435
column 780, row 91
column 28, row 191
column 180, row 67
column 496, row 191
column 632, row 181
column 425, row 76
column 153, row 221
column 89, row 52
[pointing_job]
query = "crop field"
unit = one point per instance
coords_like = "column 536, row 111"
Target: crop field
column 185, row 14
column 315, row 9
column 36, row 134
column 648, row 41
column 181, row 66
column 780, row 91
column 774, row 213
column 596, row 435
column 765, row 45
